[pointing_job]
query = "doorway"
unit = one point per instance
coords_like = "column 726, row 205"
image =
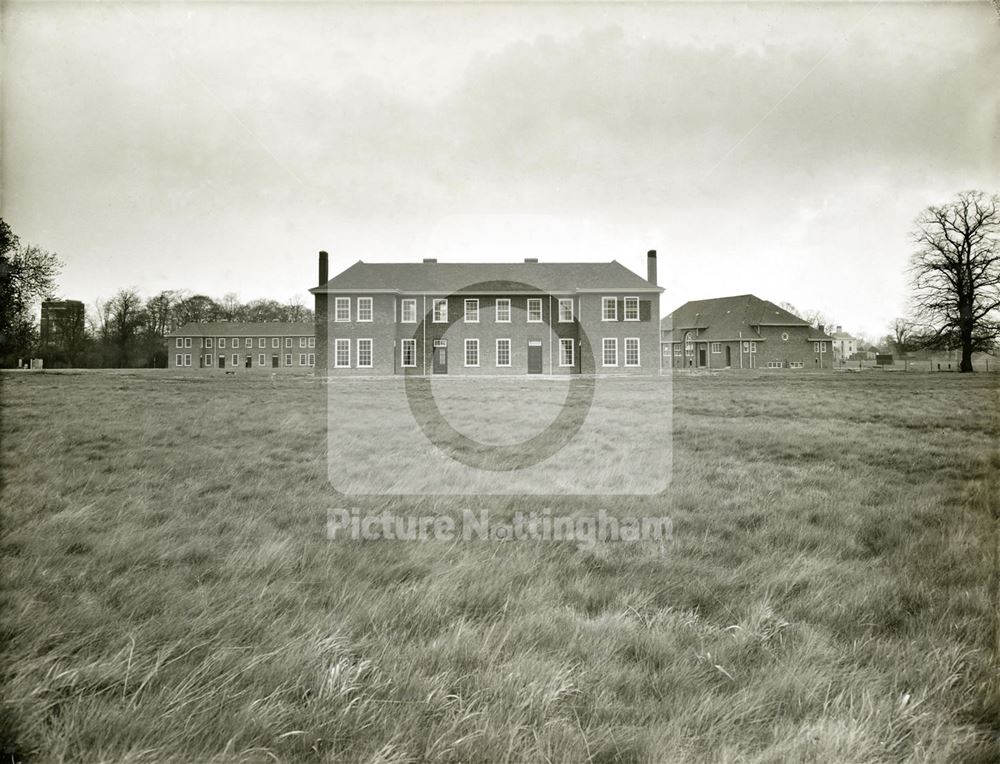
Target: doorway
column 440, row 357
column 534, row 356
column 729, row 357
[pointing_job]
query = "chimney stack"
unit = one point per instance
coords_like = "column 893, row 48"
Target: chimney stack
column 820, row 327
column 430, row 259
column 324, row 267
column 839, row 328
column 651, row 266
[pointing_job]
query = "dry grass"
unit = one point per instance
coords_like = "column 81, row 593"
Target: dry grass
column 169, row 593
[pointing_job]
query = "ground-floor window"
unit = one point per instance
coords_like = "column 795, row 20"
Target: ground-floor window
column 208, row 359
column 472, row 352
column 610, row 352
column 678, row 350
column 716, row 347
column 408, row 354
column 795, row 364
column 631, row 351
column 503, row 352
column 312, row 359
column 566, row 352
column 179, row 360
column 288, row 359
column 364, row 354
column 187, row 359
column 341, row 354
column 302, row 359
column 261, row 359
column 774, row 364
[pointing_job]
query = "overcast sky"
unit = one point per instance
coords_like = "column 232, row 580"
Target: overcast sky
column 779, row 149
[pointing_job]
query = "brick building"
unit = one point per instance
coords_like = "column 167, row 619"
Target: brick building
column 224, row 346
column 742, row 332
column 487, row 318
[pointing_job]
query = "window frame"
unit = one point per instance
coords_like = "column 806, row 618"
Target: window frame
column 262, row 360
column 510, row 352
column 261, row 344
column 572, row 310
column 288, row 359
column 402, row 354
column 338, row 302
column 179, row 359
column 302, row 343
column 471, row 302
column 209, row 360
column 179, row 343
column 288, row 343
column 716, row 348
column 235, row 360
column 496, row 310
column 275, row 343
column 437, row 302
column 572, row 352
column 541, row 314
column 209, row 341
column 470, row 342
column 625, row 302
column 604, row 352
column 311, row 343
column 187, row 342
column 638, row 352
column 222, row 343
column 604, row 308
column 403, row 304
column 371, row 353
column 370, row 302
column 678, row 349
column 187, row 359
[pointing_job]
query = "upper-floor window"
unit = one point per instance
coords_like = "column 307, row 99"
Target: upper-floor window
column 631, row 308
column 180, row 343
column 408, row 312
column 364, row 309
column 236, row 342
column 275, row 342
column 208, row 342
column 472, row 311
column 534, row 310
column 565, row 309
column 288, row 342
column 503, row 310
column 440, row 311
column 312, row 342
column 342, row 309
column 609, row 309
column 302, row 342
column 222, row 343
column 261, row 342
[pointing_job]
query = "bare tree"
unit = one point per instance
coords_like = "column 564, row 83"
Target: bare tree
column 956, row 274
column 27, row 274
column 126, row 316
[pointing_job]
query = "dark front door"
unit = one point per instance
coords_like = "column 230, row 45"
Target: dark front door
column 729, row 356
column 249, row 361
column 701, row 356
column 440, row 356
column 534, row 357
column 222, row 362
column 274, row 362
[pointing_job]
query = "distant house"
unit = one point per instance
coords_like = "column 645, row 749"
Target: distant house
column 225, row 346
column 844, row 345
column 434, row 318
column 741, row 332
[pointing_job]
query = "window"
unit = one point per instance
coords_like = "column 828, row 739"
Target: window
column 784, row 336
column 288, row 359
column 342, row 309
column 409, row 312
column 208, row 359
column 408, row 357
column 261, row 343
column 236, row 342
column 565, row 352
column 472, row 352
column 275, row 343
column 187, row 342
column 208, row 342
column 795, row 364
column 472, row 311
column 716, row 347
column 364, row 354
column 609, row 309
column 565, row 309
column 774, row 364
column 503, row 310
column 187, row 359
column 236, row 360
column 677, row 349
column 631, row 308
column 180, row 342
column 312, row 359
column 503, row 352
column 288, row 342
column 753, row 347
column 822, row 347
column 365, row 309
column 179, row 359
column 440, row 311
column 311, row 343
column 261, row 360
column 341, row 354
column 631, row 351
column 302, row 342
column 610, row 355
column 688, row 344
column 222, row 343
column 302, row 359
column 534, row 311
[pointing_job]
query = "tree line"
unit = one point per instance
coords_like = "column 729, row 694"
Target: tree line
column 125, row 330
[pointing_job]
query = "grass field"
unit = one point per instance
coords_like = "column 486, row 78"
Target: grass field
column 830, row 593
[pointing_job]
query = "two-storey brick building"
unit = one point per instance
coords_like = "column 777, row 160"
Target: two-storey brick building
column 231, row 346
column 742, row 332
column 487, row 318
